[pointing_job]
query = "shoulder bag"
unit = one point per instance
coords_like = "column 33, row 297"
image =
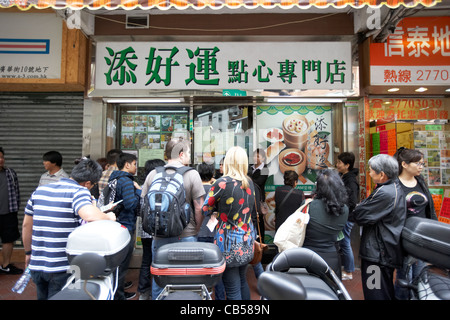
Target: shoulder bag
column 258, row 247
column 291, row 234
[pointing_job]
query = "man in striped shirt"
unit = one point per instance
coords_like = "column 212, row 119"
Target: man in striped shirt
column 52, row 213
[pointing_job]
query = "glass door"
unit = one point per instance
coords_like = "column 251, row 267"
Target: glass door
column 216, row 128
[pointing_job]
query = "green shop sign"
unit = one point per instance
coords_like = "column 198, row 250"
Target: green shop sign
column 223, row 65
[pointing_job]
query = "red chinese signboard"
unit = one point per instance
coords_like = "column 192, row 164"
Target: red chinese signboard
column 417, row 53
column 408, row 109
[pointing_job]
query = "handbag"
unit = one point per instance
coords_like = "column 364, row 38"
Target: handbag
column 291, row 234
column 258, row 247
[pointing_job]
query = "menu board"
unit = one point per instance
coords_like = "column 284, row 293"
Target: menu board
column 434, row 142
column 151, row 131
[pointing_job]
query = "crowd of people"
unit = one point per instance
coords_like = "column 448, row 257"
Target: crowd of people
column 231, row 198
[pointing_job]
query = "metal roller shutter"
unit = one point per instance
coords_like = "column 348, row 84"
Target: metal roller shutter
column 34, row 123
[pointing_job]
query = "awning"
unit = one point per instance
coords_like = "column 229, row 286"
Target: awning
column 213, row 4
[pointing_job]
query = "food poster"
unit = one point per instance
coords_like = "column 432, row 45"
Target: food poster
column 435, row 147
column 294, row 138
column 151, row 131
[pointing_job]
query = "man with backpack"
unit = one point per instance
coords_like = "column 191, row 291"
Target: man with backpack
column 178, row 153
column 127, row 190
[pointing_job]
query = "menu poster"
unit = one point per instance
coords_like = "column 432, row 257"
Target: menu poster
column 434, row 177
column 445, row 177
column 151, row 131
column 445, row 158
column 295, row 138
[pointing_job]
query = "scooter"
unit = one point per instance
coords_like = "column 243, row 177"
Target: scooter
column 429, row 241
column 95, row 251
column 187, row 270
column 300, row 274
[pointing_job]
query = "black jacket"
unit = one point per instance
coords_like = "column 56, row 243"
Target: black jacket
column 382, row 216
column 350, row 180
column 259, row 177
column 291, row 204
column 430, row 212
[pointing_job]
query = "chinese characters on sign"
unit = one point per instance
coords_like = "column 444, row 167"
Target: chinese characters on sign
column 228, row 65
column 23, row 72
column 418, row 52
column 407, row 109
column 30, row 53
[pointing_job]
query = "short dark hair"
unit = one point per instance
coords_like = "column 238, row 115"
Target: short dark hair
column 152, row 164
column 206, row 171
column 290, row 177
column 1, row 150
column 123, row 158
column 347, row 158
column 54, row 157
column 87, row 170
column 111, row 156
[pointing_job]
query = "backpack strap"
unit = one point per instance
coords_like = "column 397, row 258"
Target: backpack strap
column 181, row 170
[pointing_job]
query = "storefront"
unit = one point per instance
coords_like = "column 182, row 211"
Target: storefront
column 222, row 94
column 408, row 104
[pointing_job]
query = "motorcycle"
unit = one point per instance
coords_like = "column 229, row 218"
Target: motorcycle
column 300, row 274
column 95, row 251
column 185, row 270
column 427, row 240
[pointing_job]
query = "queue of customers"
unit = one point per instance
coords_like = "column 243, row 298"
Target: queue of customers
column 400, row 192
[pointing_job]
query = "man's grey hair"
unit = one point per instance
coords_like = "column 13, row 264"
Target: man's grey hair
column 384, row 163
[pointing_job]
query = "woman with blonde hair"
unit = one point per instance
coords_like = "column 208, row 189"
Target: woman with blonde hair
column 232, row 196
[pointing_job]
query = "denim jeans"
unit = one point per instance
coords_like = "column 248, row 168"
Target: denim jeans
column 123, row 270
column 348, row 261
column 235, row 282
column 415, row 270
column 258, row 269
column 158, row 243
column 145, row 277
column 48, row 284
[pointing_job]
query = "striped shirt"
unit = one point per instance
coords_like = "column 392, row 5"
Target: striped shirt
column 47, row 178
column 54, row 208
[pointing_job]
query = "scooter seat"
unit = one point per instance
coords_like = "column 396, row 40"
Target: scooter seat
column 275, row 285
column 78, row 293
column 315, row 287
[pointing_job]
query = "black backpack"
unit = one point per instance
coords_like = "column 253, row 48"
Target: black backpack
column 108, row 196
column 165, row 211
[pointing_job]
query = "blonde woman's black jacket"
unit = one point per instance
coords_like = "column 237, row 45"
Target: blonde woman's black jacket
column 382, row 216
